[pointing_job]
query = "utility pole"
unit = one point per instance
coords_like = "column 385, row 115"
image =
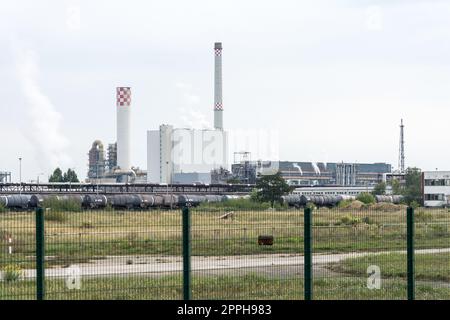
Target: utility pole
column 20, row 174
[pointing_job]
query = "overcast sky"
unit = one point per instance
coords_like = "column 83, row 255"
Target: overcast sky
column 333, row 77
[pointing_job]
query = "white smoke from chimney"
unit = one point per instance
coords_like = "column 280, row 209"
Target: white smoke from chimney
column 45, row 128
column 316, row 168
column 188, row 113
column 295, row 165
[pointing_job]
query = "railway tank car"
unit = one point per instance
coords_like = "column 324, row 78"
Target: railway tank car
column 94, row 201
column 190, row 200
column 395, row 199
column 124, row 201
column 38, row 200
column 16, row 202
column 170, row 201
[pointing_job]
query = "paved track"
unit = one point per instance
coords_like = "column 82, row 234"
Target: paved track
column 159, row 265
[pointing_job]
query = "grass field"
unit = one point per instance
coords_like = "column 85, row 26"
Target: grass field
column 251, row 287
column 431, row 267
column 86, row 235
column 73, row 237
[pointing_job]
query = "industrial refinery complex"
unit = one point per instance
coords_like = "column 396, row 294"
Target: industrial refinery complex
column 181, row 158
column 186, row 155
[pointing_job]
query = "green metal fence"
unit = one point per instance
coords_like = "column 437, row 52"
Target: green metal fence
column 217, row 252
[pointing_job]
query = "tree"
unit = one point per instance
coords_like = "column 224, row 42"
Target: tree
column 366, row 198
column 379, row 189
column 412, row 190
column 57, row 176
column 270, row 188
column 396, row 187
column 70, row 176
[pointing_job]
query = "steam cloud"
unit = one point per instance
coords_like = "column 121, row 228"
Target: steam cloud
column 45, row 129
column 188, row 113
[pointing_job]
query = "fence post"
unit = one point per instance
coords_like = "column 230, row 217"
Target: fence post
column 40, row 255
column 410, row 252
column 186, row 253
column 308, row 253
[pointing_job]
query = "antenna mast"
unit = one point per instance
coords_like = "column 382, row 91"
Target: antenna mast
column 401, row 156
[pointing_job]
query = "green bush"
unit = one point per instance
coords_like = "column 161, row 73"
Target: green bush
column 2, row 208
column 414, row 204
column 311, row 205
column 235, row 204
column 344, row 204
column 366, row 198
column 349, row 220
column 422, row 216
column 440, row 231
column 12, row 272
column 56, row 216
column 62, row 205
column 87, row 225
column 368, row 220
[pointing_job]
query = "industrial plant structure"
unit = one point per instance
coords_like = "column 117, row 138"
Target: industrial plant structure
column 117, row 166
column 185, row 155
column 317, row 173
column 5, row 177
column 436, row 188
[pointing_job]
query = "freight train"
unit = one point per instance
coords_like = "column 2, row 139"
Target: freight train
column 121, row 201
column 149, row 201
column 296, row 200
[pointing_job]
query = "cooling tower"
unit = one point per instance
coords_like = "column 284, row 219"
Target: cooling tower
column 123, row 127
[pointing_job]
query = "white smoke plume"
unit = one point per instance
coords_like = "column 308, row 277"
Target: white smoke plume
column 188, row 113
column 45, row 128
column 296, row 165
column 316, row 168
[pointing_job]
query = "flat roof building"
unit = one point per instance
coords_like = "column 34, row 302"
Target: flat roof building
column 436, row 188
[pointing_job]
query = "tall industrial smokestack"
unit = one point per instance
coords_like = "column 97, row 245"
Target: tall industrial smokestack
column 123, row 127
column 218, row 105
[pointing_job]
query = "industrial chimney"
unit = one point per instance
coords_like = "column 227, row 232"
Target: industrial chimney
column 218, row 106
column 123, row 127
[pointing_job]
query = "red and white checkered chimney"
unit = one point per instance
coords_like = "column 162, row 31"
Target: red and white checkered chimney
column 123, row 127
column 218, row 105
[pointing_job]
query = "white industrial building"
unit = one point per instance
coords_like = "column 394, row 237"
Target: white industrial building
column 180, row 155
column 184, row 155
column 436, row 188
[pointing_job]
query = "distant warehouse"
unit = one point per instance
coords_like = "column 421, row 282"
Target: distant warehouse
column 436, row 188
